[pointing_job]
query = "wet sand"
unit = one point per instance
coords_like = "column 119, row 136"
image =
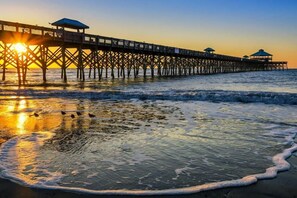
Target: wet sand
column 284, row 186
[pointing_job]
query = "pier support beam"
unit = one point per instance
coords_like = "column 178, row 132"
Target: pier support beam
column 80, row 65
column 18, row 67
column 4, row 56
column 43, row 59
column 119, row 63
column 64, row 66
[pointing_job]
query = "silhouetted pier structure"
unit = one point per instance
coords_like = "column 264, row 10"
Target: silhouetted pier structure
column 104, row 57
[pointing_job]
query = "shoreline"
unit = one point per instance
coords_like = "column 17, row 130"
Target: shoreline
column 283, row 186
column 18, row 114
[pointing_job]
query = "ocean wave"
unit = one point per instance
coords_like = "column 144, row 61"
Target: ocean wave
column 278, row 98
column 50, row 181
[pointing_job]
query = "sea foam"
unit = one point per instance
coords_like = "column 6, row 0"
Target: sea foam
column 50, row 180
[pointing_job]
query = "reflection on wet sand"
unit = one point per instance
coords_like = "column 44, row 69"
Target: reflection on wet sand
column 112, row 121
column 16, row 118
column 22, row 118
column 114, row 137
column 24, row 162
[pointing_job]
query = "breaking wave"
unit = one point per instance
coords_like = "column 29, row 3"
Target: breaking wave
column 216, row 96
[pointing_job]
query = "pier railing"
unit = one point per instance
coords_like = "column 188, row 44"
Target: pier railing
column 101, row 54
column 60, row 35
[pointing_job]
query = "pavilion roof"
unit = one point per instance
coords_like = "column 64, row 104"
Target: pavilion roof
column 70, row 23
column 261, row 52
column 209, row 50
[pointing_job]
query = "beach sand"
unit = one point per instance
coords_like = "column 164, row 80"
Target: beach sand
column 284, row 186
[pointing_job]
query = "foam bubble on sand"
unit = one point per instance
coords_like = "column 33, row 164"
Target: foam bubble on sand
column 290, row 135
column 136, row 158
column 142, row 178
column 75, row 172
column 112, row 168
column 92, row 175
column 50, row 180
column 181, row 171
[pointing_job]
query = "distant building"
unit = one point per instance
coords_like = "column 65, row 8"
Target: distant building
column 71, row 24
column 262, row 56
column 209, row 50
column 246, row 57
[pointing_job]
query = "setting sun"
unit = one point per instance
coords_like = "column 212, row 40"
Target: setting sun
column 20, row 48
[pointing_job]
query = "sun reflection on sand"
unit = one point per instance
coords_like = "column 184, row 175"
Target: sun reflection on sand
column 24, row 157
column 16, row 115
column 22, row 118
column 25, row 162
column 19, row 119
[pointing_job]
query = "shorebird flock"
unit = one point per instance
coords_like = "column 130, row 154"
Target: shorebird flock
column 64, row 114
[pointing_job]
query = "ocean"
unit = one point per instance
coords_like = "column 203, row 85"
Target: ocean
column 149, row 136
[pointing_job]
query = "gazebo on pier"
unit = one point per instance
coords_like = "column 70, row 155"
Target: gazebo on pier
column 209, row 50
column 262, row 56
column 71, row 24
column 246, row 57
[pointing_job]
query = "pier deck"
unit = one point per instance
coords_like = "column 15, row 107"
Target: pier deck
column 109, row 57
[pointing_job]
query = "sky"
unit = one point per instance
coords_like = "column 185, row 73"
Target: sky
column 232, row 27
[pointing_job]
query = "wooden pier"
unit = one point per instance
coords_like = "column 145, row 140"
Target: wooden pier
column 104, row 57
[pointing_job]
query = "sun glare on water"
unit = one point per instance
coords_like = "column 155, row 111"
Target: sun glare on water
column 20, row 48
